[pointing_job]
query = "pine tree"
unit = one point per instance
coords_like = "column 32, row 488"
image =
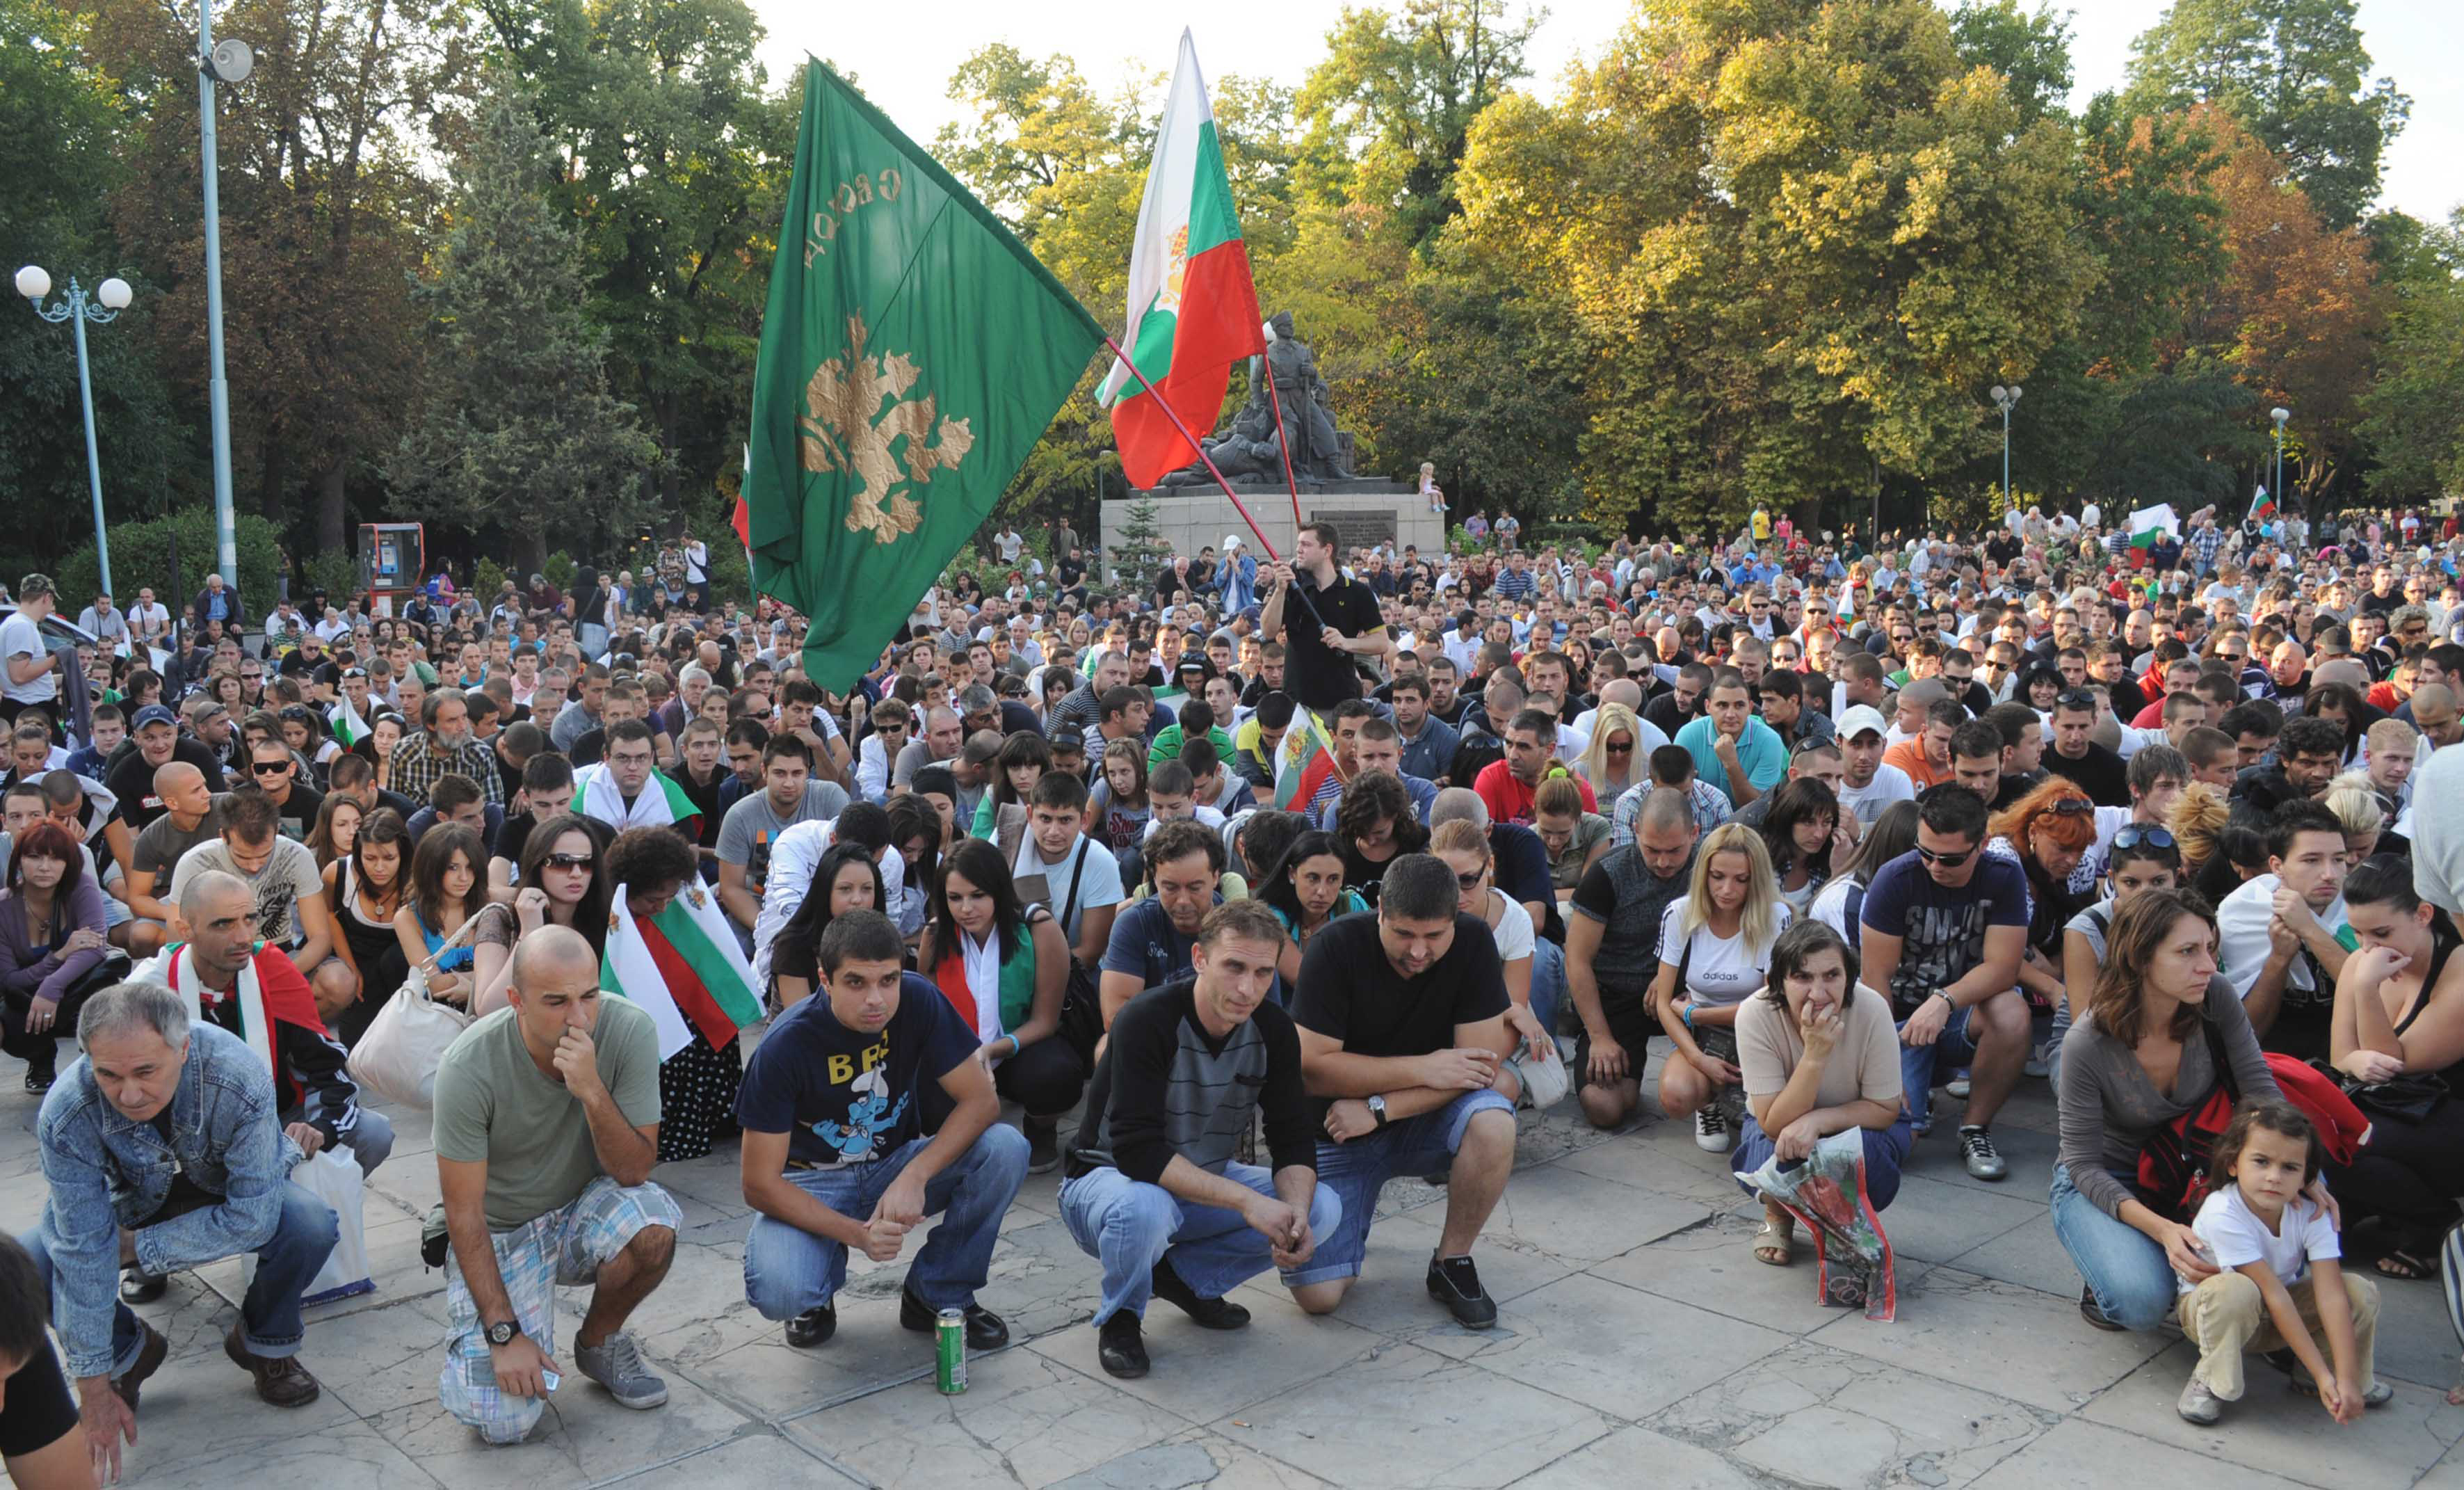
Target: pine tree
column 520, row 433
column 1139, row 551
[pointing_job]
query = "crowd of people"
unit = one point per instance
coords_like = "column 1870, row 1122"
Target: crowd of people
column 1247, row 892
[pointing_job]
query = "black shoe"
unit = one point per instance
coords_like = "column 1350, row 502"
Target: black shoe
column 2094, row 1312
column 1455, row 1283
column 39, row 1081
column 139, row 1286
column 1209, row 1313
column 1043, row 1146
column 986, row 1330
column 149, row 1360
column 813, row 1327
column 1121, row 1347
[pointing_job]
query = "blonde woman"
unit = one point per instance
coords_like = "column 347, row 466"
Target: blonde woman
column 2196, row 817
column 1616, row 760
column 2355, row 802
column 1715, row 948
column 1465, row 847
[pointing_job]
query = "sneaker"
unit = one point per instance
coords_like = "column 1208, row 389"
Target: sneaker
column 1121, row 1346
column 280, row 1381
column 2198, row 1405
column 150, row 1352
column 39, row 1081
column 2094, row 1312
column 1711, row 1129
column 1043, row 1146
column 1921, row 1126
column 1984, row 1160
column 986, row 1330
column 1209, row 1313
column 1455, row 1283
column 814, row 1326
column 2040, row 1060
column 139, row 1286
column 616, row 1364
column 1957, row 1086
column 2378, row 1395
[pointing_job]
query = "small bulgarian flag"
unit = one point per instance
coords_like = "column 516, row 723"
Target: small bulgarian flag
column 2151, row 523
column 660, row 803
column 683, row 967
column 2263, row 505
column 1193, row 307
column 1303, row 763
column 348, row 728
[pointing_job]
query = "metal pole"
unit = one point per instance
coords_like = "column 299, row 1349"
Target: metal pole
column 2279, row 463
column 2006, row 458
column 92, row 461
column 217, row 385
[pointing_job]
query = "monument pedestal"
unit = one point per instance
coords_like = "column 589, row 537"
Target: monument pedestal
column 1365, row 512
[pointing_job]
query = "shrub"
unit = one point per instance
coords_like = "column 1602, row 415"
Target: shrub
column 142, row 552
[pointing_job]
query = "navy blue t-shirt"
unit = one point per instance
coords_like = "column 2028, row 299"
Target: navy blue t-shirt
column 1942, row 931
column 842, row 1097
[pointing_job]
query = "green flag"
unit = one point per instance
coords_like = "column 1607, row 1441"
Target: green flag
column 911, row 353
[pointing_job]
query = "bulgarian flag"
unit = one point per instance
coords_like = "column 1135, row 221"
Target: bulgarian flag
column 2147, row 525
column 660, row 803
column 348, row 728
column 1193, row 308
column 682, row 966
column 1303, row 763
column 2263, row 505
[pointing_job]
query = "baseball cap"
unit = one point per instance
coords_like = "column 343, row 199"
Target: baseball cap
column 156, row 714
column 1860, row 720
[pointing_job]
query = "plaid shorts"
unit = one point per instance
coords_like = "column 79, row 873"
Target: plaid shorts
column 558, row 1249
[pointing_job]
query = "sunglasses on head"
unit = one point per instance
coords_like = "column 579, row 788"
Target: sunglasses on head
column 2133, row 834
column 2074, row 699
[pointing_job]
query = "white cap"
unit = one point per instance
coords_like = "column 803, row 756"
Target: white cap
column 1858, row 721
column 1231, row 540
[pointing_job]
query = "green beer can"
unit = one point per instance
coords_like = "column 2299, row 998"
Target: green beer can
column 950, row 1352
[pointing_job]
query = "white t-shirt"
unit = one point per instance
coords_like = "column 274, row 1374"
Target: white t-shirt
column 1039, row 884
column 2237, row 1236
column 1513, row 929
column 1830, row 906
column 1889, row 784
column 697, row 561
column 21, row 637
column 1721, row 970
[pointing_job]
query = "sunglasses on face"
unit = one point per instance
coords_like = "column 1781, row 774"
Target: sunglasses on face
column 271, row 768
column 1471, row 881
column 1945, row 860
column 568, row 861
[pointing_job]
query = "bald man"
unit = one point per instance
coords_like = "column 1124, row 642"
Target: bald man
column 188, row 818
column 1612, row 953
column 547, row 1124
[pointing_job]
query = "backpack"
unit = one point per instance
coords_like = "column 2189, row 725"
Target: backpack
column 2172, row 1178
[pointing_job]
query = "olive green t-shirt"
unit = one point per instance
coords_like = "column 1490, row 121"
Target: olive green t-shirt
column 494, row 1107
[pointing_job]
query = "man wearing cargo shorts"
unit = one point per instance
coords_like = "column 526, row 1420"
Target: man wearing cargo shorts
column 547, row 1124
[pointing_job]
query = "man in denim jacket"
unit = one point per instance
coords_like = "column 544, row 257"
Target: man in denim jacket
column 163, row 1150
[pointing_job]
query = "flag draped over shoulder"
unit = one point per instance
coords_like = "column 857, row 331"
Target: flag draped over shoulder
column 661, row 803
column 1192, row 307
column 912, row 352
column 683, row 967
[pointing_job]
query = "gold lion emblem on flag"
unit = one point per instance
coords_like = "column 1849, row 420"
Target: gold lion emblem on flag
column 846, row 429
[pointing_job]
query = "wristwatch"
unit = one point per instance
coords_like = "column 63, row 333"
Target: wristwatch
column 502, row 1333
column 1378, row 1109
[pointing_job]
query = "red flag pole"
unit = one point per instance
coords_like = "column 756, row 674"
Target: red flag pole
column 1266, row 365
column 1168, row 413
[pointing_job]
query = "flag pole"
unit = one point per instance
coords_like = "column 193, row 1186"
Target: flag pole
column 1283, row 441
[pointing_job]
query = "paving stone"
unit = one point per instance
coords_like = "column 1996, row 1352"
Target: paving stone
column 1201, row 1374
column 2278, row 1430
column 1392, row 1296
column 1632, row 1456
column 2028, row 1256
column 756, row 1458
column 1713, row 1267
column 2016, row 1342
column 1936, row 1221
column 1563, row 1214
column 2028, row 1150
column 1609, row 1348
column 1409, row 1417
column 200, row 1423
column 2076, row 1454
column 583, row 1437
column 350, row 1455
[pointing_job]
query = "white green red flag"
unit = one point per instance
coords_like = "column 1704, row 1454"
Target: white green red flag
column 682, row 966
column 1304, row 763
column 2263, row 505
column 348, row 728
column 1193, row 307
column 2147, row 525
column 661, row 803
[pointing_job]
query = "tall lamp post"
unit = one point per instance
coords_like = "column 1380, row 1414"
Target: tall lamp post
column 2279, row 416
column 2006, row 399
column 230, row 62
column 35, row 285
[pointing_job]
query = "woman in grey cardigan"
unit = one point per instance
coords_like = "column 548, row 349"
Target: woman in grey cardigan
column 2140, row 1058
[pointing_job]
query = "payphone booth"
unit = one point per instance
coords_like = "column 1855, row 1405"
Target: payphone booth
column 393, row 562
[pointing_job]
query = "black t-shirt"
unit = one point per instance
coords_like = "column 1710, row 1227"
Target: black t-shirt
column 1314, row 674
column 705, row 795
column 132, row 781
column 38, row 1411
column 298, row 814
column 842, row 1097
column 1349, row 992
column 1523, row 873
column 2099, row 773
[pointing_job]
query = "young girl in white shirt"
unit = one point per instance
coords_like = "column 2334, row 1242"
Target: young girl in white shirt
column 2279, row 1278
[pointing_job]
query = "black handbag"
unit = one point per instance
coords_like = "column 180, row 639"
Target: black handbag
column 2410, row 1098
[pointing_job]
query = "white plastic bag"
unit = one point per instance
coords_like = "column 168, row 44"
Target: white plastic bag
column 331, row 1176
column 398, row 1056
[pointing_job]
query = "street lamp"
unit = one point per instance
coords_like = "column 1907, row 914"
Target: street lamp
column 2279, row 416
column 2006, row 399
column 230, row 62
column 34, row 283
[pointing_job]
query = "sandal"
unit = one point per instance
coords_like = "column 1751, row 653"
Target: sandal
column 1776, row 1243
column 2404, row 1265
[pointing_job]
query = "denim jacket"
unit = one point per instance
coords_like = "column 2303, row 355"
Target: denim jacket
column 107, row 1171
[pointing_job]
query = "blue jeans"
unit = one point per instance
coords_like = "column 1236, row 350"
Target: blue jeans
column 1886, row 1149
column 788, row 1270
column 1358, row 1171
column 1548, row 983
column 269, row 1313
column 2131, row 1276
column 1951, row 1050
column 1129, row 1225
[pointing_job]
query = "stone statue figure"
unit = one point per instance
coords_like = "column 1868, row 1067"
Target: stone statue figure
column 1249, row 452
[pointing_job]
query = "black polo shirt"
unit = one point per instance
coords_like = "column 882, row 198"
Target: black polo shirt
column 1314, row 674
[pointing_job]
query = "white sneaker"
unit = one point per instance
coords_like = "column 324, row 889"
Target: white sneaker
column 1957, row 1086
column 2040, row 1062
column 1711, row 1129
column 2198, row 1405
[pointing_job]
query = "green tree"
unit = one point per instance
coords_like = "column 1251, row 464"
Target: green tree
column 2294, row 72
column 520, row 436
column 1388, row 111
column 2030, row 49
column 2414, row 416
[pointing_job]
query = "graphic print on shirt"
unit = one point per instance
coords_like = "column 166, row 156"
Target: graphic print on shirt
column 869, row 1112
column 1943, row 942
